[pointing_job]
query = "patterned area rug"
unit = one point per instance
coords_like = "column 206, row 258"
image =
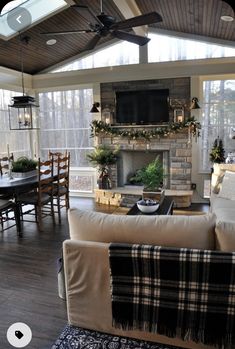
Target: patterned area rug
column 78, row 338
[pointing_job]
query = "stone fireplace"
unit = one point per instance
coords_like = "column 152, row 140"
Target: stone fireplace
column 175, row 150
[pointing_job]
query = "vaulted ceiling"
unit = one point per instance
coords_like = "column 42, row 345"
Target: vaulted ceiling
column 194, row 17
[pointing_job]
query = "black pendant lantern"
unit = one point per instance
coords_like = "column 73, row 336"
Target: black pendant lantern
column 23, row 112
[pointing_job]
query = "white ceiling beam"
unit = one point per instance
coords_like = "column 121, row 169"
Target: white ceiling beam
column 129, row 9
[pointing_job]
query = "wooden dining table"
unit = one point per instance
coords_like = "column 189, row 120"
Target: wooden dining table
column 13, row 188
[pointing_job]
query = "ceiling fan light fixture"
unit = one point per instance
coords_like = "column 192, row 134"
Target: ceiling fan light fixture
column 227, row 18
column 104, row 24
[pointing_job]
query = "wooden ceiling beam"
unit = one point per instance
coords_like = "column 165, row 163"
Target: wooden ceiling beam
column 129, row 9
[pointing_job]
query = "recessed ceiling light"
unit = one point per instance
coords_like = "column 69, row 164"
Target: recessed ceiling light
column 227, row 18
column 51, row 42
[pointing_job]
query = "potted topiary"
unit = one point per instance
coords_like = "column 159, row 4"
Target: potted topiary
column 217, row 152
column 103, row 157
column 151, row 177
column 24, row 167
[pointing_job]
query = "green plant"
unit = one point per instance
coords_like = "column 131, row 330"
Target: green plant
column 24, row 164
column 151, row 176
column 103, row 156
column 217, row 152
column 100, row 127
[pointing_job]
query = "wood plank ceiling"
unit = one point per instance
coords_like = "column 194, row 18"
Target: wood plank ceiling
column 198, row 17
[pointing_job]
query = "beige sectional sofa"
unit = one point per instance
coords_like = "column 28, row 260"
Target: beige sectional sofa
column 86, row 254
column 86, row 261
column 223, row 208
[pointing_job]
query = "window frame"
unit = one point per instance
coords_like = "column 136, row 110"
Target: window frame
column 75, row 170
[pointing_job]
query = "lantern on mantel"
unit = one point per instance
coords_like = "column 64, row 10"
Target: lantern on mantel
column 23, row 112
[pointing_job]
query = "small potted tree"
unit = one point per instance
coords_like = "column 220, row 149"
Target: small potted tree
column 151, row 177
column 103, row 157
column 217, row 152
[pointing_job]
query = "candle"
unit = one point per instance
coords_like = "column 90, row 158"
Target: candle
column 35, row 150
column 180, row 118
column 8, row 151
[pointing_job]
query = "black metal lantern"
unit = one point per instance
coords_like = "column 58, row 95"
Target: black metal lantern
column 23, row 112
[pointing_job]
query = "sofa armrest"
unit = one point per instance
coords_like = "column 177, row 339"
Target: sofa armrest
column 87, row 284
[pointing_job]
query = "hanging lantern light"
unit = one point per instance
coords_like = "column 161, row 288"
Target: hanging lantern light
column 23, row 112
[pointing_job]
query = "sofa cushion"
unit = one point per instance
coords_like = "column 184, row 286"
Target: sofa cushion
column 227, row 190
column 225, row 236
column 225, row 214
column 219, row 180
column 174, row 231
column 218, row 203
column 227, row 167
column 217, row 175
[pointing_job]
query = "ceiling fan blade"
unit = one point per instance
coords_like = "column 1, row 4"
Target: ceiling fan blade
column 135, row 39
column 231, row 4
column 93, row 42
column 148, row 18
column 87, row 15
column 79, row 31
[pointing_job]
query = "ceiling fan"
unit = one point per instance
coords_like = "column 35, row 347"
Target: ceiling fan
column 103, row 24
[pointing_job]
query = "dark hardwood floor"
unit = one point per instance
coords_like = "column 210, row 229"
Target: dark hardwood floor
column 28, row 277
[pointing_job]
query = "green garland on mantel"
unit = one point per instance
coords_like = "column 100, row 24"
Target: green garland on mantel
column 101, row 128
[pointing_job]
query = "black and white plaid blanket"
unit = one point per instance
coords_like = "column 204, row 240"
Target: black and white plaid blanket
column 177, row 292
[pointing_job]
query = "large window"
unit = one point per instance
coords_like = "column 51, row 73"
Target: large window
column 218, row 117
column 117, row 54
column 65, row 121
column 19, row 141
column 163, row 48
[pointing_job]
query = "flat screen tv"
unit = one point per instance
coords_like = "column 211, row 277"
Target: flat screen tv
column 142, row 107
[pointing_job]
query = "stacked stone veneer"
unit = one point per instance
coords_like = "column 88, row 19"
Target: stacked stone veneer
column 179, row 89
column 180, row 151
column 179, row 159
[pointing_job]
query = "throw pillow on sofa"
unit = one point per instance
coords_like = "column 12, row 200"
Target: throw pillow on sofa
column 219, row 180
column 171, row 231
column 227, row 190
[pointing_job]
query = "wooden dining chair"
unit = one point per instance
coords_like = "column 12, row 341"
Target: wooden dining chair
column 61, row 186
column 8, row 213
column 42, row 198
column 5, row 164
column 4, row 169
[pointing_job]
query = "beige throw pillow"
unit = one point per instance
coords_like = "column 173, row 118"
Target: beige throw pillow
column 219, row 181
column 227, row 190
column 172, row 231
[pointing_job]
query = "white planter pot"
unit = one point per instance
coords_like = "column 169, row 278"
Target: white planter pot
column 24, row 174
